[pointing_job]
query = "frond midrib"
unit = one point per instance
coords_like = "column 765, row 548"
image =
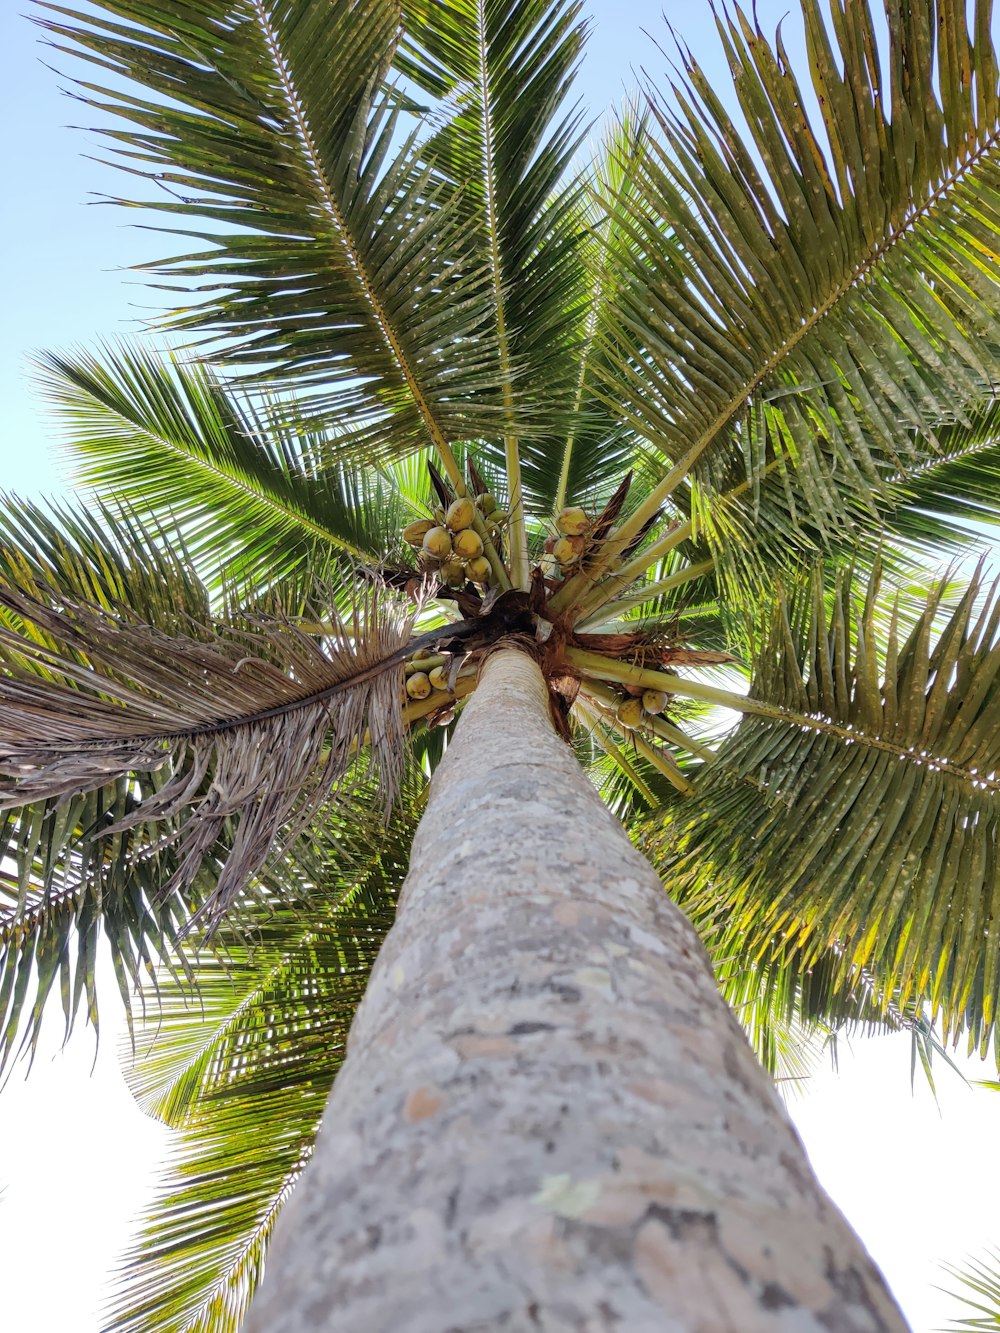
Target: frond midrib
column 368, row 292
column 860, row 271
column 245, row 488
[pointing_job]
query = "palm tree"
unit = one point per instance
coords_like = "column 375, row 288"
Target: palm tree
column 593, row 444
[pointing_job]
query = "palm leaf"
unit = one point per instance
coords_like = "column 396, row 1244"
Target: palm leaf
column 856, row 805
column 268, row 126
column 65, row 880
column 980, row 1280
column 256, row 724
column 504, row 141
column 173, row 443
column 828, row 306
column 240, row 1062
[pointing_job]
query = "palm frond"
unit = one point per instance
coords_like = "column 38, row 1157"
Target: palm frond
column 175, row 444
column 278, row 151
column 856, row 806
column 823, row 296
column 979, row 1293
column 240, row 1058
column 506, row 144
column 254, row 725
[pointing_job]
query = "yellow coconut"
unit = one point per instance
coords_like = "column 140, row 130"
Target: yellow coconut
column 629, row 712
column 486, row 502
column 453, row 573
column 573, row 522
column 437, row 542
column 468, row 544
column 460, row 514
column 479, row 569
column 439, row 678
column 414, row 533
column 654, row 701
column 565, row 552
column 418, row 686
column 550, row 566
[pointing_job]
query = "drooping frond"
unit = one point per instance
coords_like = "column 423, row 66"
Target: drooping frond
column 240, row 1061
column 821, row 295
column 856, row 806
column 325, row 251
column 253, row 726
column 251, row 497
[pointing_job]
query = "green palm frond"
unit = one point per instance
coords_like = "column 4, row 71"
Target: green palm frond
column 856, row 805
column 278, row 149
column 960, row 488
column 251, row 496
column 239, row 1060
column 826, row 305
column 980, row 1296
column 506, row 144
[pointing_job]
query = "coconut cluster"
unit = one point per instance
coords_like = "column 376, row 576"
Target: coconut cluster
column 633, row 711
column 424, row 674
column 563, row 551
column 449, row 545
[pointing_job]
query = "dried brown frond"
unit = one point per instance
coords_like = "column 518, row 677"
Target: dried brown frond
column 257, row 723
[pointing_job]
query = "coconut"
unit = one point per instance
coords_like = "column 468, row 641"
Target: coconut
column 437, row 542
column 453, row 573
column 565, row 552
column 468, row 544
column 549, row 566
column 414, row 533
column 486, row 502
column 654, row 701
column 479, row 569
column 418, row 686
column 426, row 561
column 439, row 678
column 460, row 514
column 629, row 712
column 573, row 522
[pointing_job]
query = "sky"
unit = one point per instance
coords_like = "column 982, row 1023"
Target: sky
column 918, row 1180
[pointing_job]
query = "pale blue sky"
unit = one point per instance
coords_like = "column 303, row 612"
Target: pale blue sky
column 919, row 1187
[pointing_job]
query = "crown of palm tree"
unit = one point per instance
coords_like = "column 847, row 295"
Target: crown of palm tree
column 711, row 392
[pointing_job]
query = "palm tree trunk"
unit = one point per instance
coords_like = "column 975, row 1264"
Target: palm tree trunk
column 548, row 1119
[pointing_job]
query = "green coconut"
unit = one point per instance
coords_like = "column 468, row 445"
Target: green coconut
column 565, row 552
column 453, row 573
column 414, row 533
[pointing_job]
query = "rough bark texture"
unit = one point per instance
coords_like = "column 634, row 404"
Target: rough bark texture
column 548, row 1118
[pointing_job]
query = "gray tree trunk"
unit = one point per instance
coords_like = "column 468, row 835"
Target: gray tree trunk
column 548, row 1119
